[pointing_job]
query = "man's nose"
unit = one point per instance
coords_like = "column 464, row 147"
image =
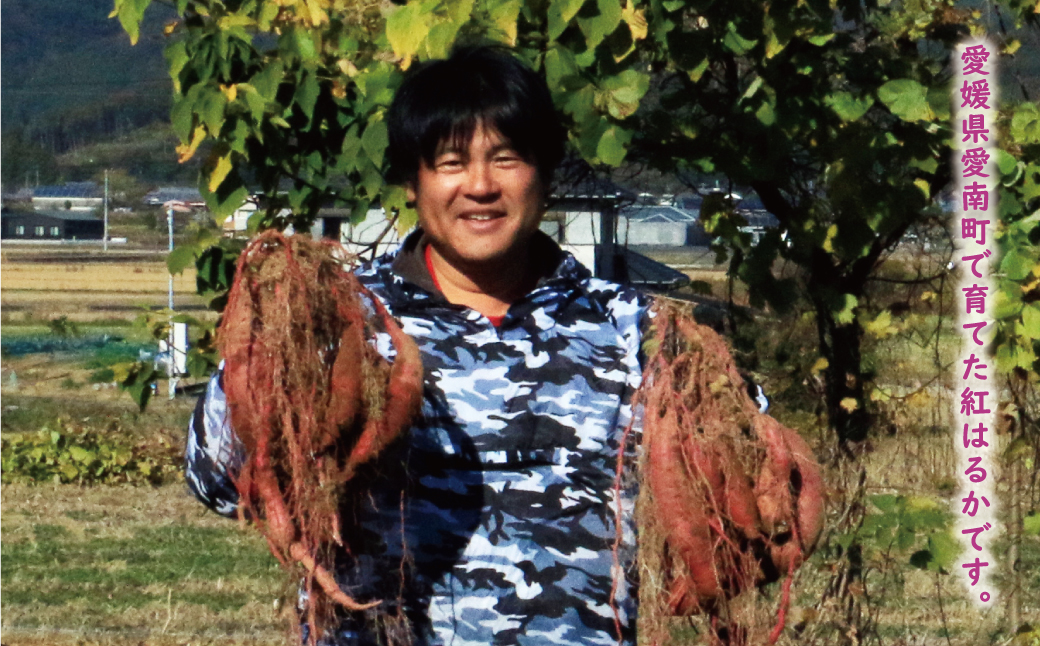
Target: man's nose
column 481, row 181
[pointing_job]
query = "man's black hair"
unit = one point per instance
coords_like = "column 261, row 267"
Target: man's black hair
column 444, row 100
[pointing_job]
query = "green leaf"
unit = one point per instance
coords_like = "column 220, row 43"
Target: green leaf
column 698, row 72
column 350, row 150
column 1006, row 162
column 561, row 12
column 765, row 114
column 268, row 80
column 907, row 99
column 1025, row 124
column 406, row 28
column 304, row 44
column 180, row 259
column 844, row 309
column 1031, row 524
column 81, row 455
column 611, row 149
column 905, row 538
column 307, row 94
column 945, row 549
column 559, row 65
column 601, row 26
column 622, row 93
column 1031, row 321
column 504, row 15
column 736, row 43
column 210, row 108
column 253, row 100
column 1017, row 266
column 374, row 139
column 176, row 57
column 130, row 13
column 182, row 117
column 848, row 107
column 928, row 165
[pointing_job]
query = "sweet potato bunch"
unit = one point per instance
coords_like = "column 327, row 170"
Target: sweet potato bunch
column 311, row 400
column 736, row 498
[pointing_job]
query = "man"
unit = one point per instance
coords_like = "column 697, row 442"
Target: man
column 499, row 526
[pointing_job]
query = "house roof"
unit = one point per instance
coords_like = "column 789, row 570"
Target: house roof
column 166, row 194
column 760, row 218
column 645, row 272
column 657, row 214
column 689, row 201
column 68, row 216
column 68, row 190
column 577, row 180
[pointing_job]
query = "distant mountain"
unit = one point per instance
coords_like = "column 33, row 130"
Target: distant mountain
column 67, row 63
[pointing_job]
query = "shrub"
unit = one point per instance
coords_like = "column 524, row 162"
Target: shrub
column 85, row 456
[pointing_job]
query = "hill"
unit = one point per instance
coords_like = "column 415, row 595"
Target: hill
column 69, row 71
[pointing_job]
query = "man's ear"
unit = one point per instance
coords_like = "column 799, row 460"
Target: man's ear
column 409, row 188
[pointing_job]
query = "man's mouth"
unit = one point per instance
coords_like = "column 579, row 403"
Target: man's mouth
column 481, row 217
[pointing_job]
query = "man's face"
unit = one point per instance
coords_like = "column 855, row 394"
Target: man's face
column 480, row 205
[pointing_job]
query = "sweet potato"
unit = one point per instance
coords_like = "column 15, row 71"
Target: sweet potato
column 305, row 390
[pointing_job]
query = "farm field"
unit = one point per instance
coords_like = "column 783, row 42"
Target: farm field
column 38, row 285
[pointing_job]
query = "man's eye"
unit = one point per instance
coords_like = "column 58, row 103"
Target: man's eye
column 449, row 163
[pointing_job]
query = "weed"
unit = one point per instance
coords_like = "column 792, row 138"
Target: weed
column 84, row 456
column 63, row 328
column 102, row 376
column 68, row 383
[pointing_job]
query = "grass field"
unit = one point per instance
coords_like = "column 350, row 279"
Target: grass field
column 132, row 565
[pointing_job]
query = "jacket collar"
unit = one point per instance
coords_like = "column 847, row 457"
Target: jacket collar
column 559, row 268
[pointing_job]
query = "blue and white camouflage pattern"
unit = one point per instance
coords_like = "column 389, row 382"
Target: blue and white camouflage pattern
column 500, row 525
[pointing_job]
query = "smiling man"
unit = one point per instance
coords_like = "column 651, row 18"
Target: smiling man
column 495, row 522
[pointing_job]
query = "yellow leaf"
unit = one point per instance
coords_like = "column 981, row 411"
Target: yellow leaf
column 347, row 67
column 820, row 365
column 339, row 90
column 878, row 395
column 635, row 19
column 828, row 243
column 230, row 91
column 849, row 404
column 924, row 188
column 170, row 26
column 187, row 151
column 318, row 15
column 220, row 171
column 882, row 325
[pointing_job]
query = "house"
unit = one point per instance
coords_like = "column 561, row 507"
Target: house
column 51, row 225
column 185, row 194
column 661, row 225
column 72, row 196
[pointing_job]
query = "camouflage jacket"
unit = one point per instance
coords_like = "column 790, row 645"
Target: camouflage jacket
column 501, row 527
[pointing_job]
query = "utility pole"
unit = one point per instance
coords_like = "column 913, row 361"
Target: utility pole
column 105, row 243
column 171, row 341
column 169, row 222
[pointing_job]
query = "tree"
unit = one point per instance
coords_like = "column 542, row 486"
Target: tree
column 834, row 112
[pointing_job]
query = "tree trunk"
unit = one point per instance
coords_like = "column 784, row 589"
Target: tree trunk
column 843, row 379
